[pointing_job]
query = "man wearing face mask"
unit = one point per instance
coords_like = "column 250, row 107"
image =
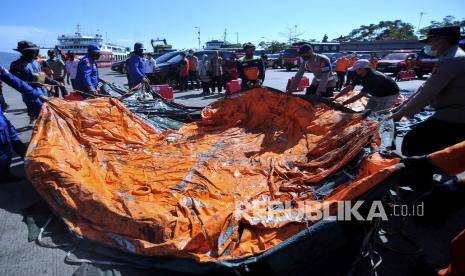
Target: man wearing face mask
column 250, row 68
column 27, row 69
column 443, row 91
column 59, row 72
column 136, row 66
column 381, row 89
column 87, row 73
column 324, row 80
column 71, row 68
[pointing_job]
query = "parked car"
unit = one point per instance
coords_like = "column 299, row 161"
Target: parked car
column 332, row 58
column 168, row 72
column 166, row 56
column 424, row 64
column 274, row 61
column 120, row 66
column 396, row 61
column 364, row 56
column 291, row 58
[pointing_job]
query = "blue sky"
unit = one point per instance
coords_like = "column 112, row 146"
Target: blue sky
column 125, row 22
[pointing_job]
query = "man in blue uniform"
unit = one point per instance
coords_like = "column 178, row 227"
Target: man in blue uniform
column 9, row 139
column 29, row 70
column 136, row 66
column 87, row 73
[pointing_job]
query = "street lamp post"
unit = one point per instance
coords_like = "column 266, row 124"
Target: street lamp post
column 419, row 21
column 198, row 35
column 237, row 37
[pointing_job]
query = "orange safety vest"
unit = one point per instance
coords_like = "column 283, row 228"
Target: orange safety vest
column 251, row 73
column 342, row 64
column 192, row 63
column 352, row 60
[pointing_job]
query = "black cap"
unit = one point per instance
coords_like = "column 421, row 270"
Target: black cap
column 26, row 45
column 50, row 52
column 448, row 31
column 305, row 48
column 248, row 45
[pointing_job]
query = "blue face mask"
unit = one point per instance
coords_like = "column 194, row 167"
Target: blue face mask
column 429, row 51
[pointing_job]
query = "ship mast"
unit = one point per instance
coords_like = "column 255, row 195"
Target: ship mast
column 78, row 32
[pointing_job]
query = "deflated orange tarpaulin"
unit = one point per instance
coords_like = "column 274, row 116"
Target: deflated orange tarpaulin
column 115, row 180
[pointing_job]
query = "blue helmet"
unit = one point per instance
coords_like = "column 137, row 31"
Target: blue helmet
column 93, row 49
column 138, row 46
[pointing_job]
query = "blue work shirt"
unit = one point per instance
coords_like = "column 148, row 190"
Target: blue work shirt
column 31, row 95
column 86, row 75
column 136, row 70
column 26, row 69
column 8, row 134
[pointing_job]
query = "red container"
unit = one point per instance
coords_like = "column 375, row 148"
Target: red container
column 304, row 83
column 406, row 75
column 73, row 96
column 233, row 87
column 164, row 90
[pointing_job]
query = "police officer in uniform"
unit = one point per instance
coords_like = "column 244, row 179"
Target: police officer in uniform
column 250, row 68
column 9, row 139
column 136, row 66
column 324, row 80
column 87, row 73
column 27, row 69
column 443, row 91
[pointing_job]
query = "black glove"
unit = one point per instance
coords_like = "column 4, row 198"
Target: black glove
column 421, row 164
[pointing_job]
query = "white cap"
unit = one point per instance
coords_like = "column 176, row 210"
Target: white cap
column 360, row 64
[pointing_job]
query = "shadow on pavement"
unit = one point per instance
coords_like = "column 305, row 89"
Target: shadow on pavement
column 24, row 129
column 117, row 75
column 18, row 111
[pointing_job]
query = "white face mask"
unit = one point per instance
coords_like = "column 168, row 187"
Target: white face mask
column 429, row 51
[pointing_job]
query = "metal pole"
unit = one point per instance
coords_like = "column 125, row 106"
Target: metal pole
column 419, row 21
column 237, row 37
column 198, row 35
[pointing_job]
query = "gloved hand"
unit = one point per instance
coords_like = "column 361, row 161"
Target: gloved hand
column 421, row 164
column 39, row 77
column 396, row 116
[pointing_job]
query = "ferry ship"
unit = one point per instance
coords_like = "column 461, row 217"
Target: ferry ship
column 110, row 53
